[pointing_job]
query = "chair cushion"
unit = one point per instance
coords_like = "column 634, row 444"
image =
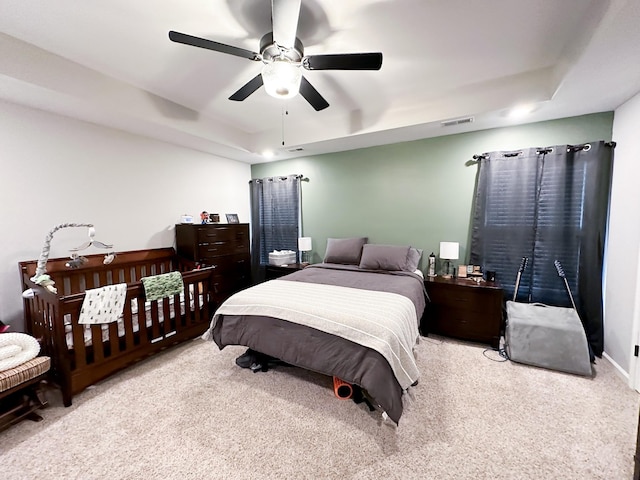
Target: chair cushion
column 24, row 372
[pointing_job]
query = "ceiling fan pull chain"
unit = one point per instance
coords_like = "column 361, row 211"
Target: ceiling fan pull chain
column 284, row 112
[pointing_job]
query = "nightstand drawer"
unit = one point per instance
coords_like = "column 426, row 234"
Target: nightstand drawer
column 465, row 324
column 463, row 297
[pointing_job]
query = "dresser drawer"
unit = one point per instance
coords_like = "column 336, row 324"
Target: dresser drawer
column 232, row 273
column 220, row 233
column 226, row 285
column 239, row 264
column 216, row 248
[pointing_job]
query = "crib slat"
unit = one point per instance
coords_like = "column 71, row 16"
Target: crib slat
column 196, row 310
column 74, row 282
column 114, row 339
column 142, row 319
column 104, row 280
column 128, row 322
column 89, row 281
column 165, row 325
column 97, row 343
column 77, row 332
column 155, row 322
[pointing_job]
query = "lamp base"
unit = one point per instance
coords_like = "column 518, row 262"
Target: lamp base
column 447, row 270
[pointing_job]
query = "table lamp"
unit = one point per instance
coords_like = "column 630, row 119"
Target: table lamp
column 449, row 251
column 304, row 245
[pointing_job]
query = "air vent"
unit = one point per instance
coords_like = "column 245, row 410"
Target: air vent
column 298, row 149
column 457, row 121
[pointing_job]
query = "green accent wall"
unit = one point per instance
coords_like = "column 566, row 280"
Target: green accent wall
column 416, row 193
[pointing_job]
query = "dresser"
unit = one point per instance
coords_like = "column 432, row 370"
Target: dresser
column 225, row 247
column 462, row 308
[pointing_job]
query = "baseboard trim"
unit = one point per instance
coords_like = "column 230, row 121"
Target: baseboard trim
column 619, row 370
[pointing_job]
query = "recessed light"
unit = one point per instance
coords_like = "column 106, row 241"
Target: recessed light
column 267, row 153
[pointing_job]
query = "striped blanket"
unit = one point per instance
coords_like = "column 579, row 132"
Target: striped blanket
column 384, row 322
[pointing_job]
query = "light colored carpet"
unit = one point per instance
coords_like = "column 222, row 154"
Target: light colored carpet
column 190, row 413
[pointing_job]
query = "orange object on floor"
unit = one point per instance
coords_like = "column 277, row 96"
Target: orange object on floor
column 342, row 389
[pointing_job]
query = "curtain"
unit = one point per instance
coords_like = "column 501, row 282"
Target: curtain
column 275, row 218
column 546, row 204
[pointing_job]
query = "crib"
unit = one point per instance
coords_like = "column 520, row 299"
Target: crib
column 82, row 355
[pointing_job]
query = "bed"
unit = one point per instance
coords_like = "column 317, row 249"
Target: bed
column 355, row 316
column 81, row 354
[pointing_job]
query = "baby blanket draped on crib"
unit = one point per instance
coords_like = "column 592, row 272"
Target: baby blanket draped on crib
column 103, row 305
column 161, row 286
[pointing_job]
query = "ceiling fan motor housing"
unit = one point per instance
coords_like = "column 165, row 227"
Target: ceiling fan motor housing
column 271, row 51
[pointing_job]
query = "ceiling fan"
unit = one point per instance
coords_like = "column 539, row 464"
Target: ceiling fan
column 282, row 54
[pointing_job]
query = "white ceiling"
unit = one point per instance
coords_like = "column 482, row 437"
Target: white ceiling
column 112, row 63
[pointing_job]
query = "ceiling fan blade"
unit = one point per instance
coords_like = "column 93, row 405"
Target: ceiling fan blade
column 284, row 16
column 211, row 45
column 344, row 61
column 248, row 88
column 312, row 96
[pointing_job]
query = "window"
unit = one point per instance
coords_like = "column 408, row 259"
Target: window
column 275, row 216
column 546, row 204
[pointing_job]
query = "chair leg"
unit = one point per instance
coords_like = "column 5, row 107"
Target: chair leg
column 39, row 395
column 23, row 404
column 34, row 417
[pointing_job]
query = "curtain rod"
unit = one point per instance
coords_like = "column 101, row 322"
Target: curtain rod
column 278, row 177
column 539, row 151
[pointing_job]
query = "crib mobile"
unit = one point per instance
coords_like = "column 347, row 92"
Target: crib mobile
column 43, row 279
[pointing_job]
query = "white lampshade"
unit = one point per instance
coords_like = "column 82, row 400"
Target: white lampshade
column 304, row 244
column 281, row 79
column 449, row 250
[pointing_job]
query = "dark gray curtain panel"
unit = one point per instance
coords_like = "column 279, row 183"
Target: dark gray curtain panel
column 275, row 218
column 546, row 204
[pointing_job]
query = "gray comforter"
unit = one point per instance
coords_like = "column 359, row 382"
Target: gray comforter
column 329, row 353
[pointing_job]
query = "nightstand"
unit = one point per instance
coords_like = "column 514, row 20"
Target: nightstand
column 277, row 271
column 465, row 309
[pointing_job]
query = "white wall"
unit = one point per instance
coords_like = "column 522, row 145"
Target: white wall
column 621, row 307
column 55, row 169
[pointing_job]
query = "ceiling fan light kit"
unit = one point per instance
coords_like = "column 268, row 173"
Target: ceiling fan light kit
column 281, row 79
column 283, row 56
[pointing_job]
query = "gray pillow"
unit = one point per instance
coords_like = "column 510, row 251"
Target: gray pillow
column 384, row 257
column 344, row 250
column 413, row 259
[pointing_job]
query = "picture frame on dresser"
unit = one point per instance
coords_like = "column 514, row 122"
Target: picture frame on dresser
column 232, row 218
